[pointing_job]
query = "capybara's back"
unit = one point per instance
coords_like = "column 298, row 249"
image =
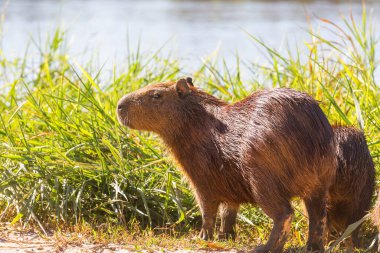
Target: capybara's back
column 351, row 193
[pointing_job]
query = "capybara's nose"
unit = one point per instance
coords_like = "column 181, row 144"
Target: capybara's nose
column 122, row 104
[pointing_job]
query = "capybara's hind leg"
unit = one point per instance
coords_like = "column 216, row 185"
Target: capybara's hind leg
column 354, row 241
column 349, row 244
column 316, row 208
column 282, row 215
column 228, row 213
column 209, row 209
column 357, row 214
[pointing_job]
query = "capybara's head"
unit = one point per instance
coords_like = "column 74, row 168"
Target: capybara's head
column 155, row 107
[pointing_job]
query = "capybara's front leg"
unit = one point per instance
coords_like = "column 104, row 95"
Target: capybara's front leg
column 282, row 214
column 209, row 209
column 228, row 213
column 316, row 208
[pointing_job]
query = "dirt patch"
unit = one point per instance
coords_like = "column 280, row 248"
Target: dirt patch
column 13, row 241
column 18, row 241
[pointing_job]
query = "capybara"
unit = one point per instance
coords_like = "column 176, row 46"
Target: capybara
column 376, row 218
column 351, row 193
column 265, row 149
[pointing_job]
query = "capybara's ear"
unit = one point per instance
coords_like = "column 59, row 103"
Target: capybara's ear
column 182, row 88
column 189, row 81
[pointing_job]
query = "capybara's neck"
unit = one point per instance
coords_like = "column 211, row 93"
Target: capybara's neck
column 194, row 137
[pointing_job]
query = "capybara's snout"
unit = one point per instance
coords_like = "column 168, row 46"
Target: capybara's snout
column 122, row 110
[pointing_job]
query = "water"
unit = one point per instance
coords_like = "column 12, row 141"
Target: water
column 194, row 29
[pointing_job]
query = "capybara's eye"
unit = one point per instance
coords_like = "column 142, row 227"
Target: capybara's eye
column 156, row 95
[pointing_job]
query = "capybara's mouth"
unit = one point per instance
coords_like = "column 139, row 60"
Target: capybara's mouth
column 122, row 117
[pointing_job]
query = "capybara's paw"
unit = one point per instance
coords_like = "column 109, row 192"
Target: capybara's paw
column 226, row 236
column 260, row 249
column 315, row 247
column 205, row 235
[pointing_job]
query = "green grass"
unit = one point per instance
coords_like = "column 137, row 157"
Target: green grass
column 65, row 161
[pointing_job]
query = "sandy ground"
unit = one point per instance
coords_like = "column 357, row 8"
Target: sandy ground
column 13, row 241
column 20, row 242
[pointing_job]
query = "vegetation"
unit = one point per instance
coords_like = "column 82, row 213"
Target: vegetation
column 65, row 161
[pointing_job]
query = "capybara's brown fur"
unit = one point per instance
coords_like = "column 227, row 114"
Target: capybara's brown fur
column 266, row 149
column 375, row 216
column 351, row 193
